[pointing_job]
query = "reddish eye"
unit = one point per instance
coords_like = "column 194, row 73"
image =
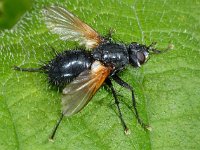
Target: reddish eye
column 141, row 58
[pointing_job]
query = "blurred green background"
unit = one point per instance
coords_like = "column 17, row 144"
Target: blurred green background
column 11, row 11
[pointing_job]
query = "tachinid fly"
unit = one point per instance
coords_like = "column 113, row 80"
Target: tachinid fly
column 81, row 73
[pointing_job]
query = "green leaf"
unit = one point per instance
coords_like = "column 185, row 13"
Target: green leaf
column 166, row 88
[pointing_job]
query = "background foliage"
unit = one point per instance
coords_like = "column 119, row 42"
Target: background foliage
column 11, row 11
column 167, row 87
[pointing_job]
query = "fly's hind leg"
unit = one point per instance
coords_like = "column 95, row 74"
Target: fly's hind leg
column 127, row 86
column 109, row 83
column 28, row 69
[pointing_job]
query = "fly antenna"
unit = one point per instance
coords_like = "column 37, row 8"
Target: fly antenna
column 155, row 51
column 51, row 137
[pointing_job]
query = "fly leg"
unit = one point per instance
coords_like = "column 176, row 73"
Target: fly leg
column 28, row 69
column 108, row 37
column 109, row 83
column 51, row 137
column 127, row 86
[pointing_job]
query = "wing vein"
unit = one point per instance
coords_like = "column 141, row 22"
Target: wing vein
column 69, row 27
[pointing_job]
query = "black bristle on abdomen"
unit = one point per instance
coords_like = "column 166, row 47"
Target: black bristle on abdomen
column 66, row 66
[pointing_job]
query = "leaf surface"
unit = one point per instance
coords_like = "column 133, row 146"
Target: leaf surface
column 166, row 88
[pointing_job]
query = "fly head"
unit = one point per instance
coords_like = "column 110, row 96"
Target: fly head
column 138, row 54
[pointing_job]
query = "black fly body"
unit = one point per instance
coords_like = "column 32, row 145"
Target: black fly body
column 81, row 73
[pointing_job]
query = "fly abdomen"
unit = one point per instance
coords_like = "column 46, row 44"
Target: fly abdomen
column 66, row 66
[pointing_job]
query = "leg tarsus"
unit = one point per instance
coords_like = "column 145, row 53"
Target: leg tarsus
column 111, row 32
column 51, row 137
column 109, row 83
column 109, row 35
column 127, row 86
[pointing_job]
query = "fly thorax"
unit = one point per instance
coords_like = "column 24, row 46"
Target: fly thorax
column 112, row 54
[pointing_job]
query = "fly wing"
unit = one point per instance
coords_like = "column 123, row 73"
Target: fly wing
column 79, row 92
column 69, row 27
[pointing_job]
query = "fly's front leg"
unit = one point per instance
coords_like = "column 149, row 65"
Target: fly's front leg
column 51, row 137
column 127, row 86
column 108, row 37
column 109, row 83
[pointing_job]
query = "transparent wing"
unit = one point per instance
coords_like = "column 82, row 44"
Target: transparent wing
column 69, row 27
column 79, row 92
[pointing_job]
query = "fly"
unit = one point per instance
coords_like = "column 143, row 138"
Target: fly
column 80, row 73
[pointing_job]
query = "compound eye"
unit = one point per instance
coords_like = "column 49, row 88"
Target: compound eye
column 141, row 57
